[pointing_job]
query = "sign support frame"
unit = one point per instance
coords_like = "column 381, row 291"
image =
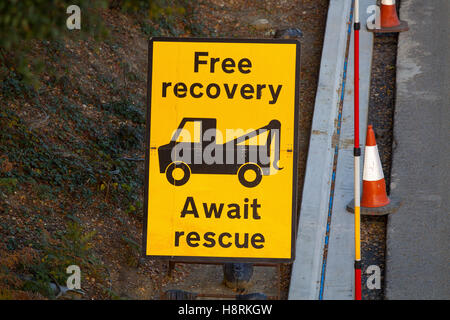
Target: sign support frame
column 171, row 267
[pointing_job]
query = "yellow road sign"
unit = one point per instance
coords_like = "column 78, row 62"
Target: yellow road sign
column 221, row 149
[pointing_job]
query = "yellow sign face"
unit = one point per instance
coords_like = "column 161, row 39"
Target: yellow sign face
column 221, row 153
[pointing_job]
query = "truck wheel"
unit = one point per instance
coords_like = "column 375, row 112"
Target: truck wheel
column 178, row 173
column 250, row 175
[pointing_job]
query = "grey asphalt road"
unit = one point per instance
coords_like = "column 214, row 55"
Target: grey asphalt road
column 417, row 265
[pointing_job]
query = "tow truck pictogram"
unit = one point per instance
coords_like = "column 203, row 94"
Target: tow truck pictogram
column 250, row 162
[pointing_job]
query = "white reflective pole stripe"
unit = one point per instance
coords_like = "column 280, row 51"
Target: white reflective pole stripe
column 356, row 182
column 373, row 170
column 356, row 11
column 388, row 2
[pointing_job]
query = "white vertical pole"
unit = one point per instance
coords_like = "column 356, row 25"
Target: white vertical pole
column 357, row 154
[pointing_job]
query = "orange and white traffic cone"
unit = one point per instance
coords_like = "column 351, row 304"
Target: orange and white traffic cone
column 389, row 19
column 374, row 199
column 374, row 186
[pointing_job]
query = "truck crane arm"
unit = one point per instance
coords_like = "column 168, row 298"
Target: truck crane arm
column 274, row 128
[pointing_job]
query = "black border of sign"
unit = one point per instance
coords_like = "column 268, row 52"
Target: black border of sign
column 295, row 160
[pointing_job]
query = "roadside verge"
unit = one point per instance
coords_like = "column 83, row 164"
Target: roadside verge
column 306, row 270
column 325, row 240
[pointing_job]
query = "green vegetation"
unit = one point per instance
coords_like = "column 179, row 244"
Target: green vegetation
column 72, row 119
column 26, row 270
column 24, row 21
column 69, row 163
column 63, row 158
